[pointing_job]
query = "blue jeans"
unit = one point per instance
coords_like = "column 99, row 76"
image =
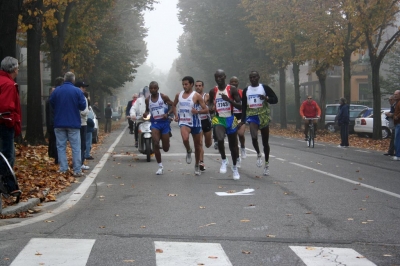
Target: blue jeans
column 83, row 132
column 73, row 135
column 397, row 141
column 88, row 144
column 7, row 143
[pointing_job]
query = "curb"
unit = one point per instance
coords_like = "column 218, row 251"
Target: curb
column 23, row 206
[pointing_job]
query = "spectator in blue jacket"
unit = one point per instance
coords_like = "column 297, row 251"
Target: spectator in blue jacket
column 67, row 101
column 343, row 120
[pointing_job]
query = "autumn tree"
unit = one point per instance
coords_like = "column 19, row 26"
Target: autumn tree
column 377, row 20
column 217, row 38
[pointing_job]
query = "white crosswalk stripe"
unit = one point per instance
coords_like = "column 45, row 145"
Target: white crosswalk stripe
column 316, row 256
column 52, row 251
column 185, row 253
column 76, row 252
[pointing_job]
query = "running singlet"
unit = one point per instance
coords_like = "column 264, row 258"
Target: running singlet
column 203, row 116
column 255, row 105
column 223, row 108
column 235, row 110
column 186, row 117
column 157, row 109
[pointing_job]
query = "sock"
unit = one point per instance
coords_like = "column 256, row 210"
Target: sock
column 160, row 165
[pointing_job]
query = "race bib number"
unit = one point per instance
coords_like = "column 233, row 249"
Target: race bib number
column 158, row 112
column 222, row 106
column 185, row 117
column 255, row 101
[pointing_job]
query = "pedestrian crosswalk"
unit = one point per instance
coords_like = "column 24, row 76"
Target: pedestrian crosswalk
column 76, row 252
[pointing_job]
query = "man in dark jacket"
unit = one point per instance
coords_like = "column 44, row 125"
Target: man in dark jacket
column 343, row 119
column 67, row 101
column 107, row 116
column 128, row 109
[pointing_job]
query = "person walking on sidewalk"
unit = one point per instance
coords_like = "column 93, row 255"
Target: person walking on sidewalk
column 223, row 98
column 310, row 109
column 157, row 105
column 256, row 111
column 107, row 116
column 67, row 101
column 343, row 120
column 205, row 120
column 84, row 114
column 191, row 104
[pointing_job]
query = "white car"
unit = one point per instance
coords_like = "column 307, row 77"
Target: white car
column 364, row 123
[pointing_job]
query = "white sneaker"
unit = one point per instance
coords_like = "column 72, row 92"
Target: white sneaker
column 235, row 174
column 266, row 170
column 395, row 158
column 238, row 162
column 243, row 153
column 160, row 170
column 189, row 156
column 224, row 164
column 259, row 160
column 85, row 167
column 197, row 170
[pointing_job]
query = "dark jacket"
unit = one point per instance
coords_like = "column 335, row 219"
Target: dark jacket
column 342, row 116
column 107, row 112
column 128, row 108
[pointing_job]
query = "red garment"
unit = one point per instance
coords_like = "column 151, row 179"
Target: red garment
column 228, row 92
column 310, row 109
column 9, row 102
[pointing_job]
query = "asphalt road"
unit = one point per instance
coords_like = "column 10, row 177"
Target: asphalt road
column 319, row 206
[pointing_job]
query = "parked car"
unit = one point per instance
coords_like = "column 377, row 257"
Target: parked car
column 364, row 123
column 116, row 116
column 95, row 133
column 331, row 111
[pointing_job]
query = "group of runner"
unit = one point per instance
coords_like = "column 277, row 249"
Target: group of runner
column 224, row 111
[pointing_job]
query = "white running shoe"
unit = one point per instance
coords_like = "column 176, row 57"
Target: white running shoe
column 235, row 174
column 224, row 164
column 259, row 160
column 243, row 153
column 160, row 170
column 197, row 170
column 85, row 167
column 238, row 162
column 266, row 170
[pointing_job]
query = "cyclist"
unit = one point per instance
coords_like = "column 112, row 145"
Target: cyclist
column 310, row 109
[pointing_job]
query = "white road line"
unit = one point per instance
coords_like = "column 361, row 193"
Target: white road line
column 348, row 180
column 76, row 195
column 280, row 159
column 315, row 256
column 50, row 251
column 186, row 253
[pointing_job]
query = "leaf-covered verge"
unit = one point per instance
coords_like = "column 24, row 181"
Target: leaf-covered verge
column 36, row 171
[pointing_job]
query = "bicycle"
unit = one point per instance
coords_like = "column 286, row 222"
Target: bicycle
column 8, row 181
column 311, row 131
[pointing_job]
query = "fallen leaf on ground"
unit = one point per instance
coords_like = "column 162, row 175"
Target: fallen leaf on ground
column 202, row 207
column 244, row 221
column 159, row 250
column 212, row 257
column 271, row 236
column 246, row 252
column 129, row 260
column 38, row 254
column 172, row 195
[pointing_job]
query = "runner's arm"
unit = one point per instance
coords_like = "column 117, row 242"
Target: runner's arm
column 272, row 98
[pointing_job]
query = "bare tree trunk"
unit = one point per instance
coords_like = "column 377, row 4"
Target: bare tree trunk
column 296, row 71
column 376, row 92
column 321, row 73
column 282, row 97
column 9, row 11
column 347, row 76
column 34, row 129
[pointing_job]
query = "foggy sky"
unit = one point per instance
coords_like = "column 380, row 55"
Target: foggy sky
column 163, row 33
